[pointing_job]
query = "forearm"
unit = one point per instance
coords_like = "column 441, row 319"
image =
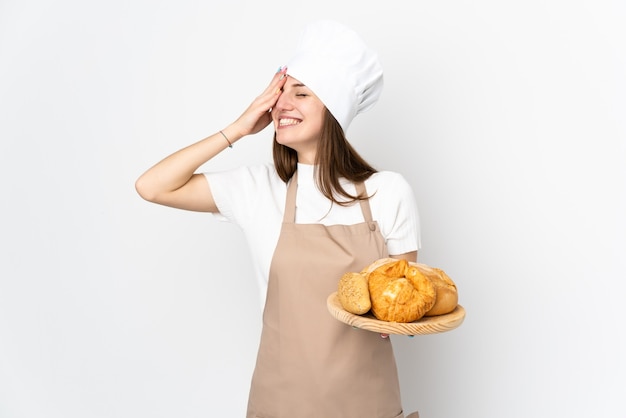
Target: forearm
column 411, row 256
column 175, row 171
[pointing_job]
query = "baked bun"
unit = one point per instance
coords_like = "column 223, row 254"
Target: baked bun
column 381, row 262
column 399, row 292
column 447, row 293
column 353, row 293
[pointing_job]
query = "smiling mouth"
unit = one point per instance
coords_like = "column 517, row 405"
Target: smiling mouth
column 288, row 122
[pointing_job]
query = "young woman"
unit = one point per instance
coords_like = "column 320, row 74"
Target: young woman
column 319, row 211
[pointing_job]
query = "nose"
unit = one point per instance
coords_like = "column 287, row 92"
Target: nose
column 284, row 102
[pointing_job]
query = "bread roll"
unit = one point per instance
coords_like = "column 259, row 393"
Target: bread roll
column 380, row 263
column 447, row 293
column 353, row 293
column 396, row 296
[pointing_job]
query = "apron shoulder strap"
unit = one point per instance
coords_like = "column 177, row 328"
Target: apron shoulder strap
column 365, row 203
column 290, row 201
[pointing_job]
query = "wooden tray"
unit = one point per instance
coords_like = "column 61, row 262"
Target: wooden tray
column 423, row 326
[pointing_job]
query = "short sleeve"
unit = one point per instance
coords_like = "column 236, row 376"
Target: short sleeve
column 395, row 208
column 237, row 192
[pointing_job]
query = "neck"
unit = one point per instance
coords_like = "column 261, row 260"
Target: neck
column 306, row 157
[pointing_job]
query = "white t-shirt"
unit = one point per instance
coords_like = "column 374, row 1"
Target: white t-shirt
column 254, row 198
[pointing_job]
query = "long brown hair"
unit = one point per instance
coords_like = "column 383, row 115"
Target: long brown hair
column 335, row 158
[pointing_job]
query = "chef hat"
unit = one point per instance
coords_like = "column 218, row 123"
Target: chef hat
column 335, row 63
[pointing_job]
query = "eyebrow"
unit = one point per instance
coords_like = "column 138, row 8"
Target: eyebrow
column 294, row 86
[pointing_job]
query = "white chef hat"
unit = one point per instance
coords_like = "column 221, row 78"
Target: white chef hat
column 336, row 64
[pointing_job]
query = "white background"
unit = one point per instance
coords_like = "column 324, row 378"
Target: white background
column 508, row 119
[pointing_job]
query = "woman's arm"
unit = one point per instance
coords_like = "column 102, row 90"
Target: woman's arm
column 410, row 256
column 173, row 181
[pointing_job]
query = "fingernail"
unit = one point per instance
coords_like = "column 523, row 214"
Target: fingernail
column 282, row 76
column 411, row 336
column 353, row 327
column 384, row 336
column 279, row 69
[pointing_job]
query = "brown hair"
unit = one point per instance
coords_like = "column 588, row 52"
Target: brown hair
column 335, row 158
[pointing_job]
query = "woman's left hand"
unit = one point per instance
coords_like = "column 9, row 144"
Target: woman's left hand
column 258, row 114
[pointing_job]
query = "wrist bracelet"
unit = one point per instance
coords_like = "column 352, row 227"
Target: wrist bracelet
column 230, row 145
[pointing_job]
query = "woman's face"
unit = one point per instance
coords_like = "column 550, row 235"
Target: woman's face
column 298, row 119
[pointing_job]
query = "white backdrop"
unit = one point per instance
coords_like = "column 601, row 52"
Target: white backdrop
column 506, row 117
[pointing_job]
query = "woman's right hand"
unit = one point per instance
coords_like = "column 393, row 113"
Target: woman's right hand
column 258, row 115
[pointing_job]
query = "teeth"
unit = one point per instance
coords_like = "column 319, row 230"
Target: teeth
column 286, row 122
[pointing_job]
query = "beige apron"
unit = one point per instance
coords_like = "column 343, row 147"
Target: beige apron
column 309, row 364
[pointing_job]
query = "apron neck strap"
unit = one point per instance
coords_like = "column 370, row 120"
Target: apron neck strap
column 290, row 201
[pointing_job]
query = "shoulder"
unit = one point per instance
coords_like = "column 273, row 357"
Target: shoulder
column 391, row 194
column 387, row 182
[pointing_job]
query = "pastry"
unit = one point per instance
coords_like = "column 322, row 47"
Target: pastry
column 399, row 293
